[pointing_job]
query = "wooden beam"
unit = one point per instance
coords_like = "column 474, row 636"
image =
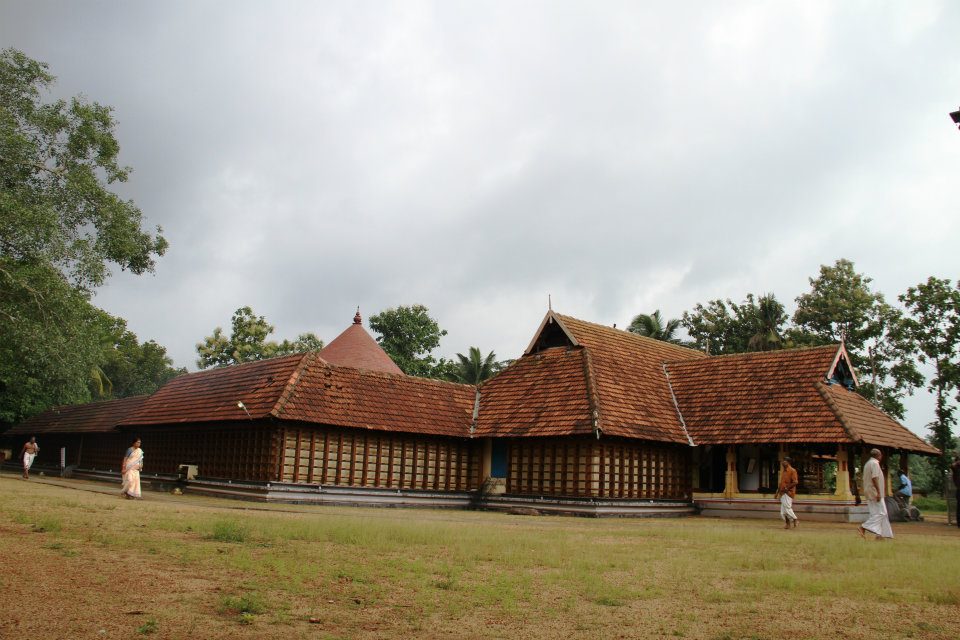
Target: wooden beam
column 339, row 471
column 390, row 461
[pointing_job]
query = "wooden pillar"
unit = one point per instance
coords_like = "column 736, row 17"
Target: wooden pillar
column 594, row 470
column 486, row 459
column 695, row 469
column 886, row 471
column 843, row 474
column 731, row 485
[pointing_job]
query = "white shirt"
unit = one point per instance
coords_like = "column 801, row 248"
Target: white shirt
column 872, row 470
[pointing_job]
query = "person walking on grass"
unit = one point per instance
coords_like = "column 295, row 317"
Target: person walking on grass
column 132, row 464
column 28, row 453
column 786, row 493
column 874, row 487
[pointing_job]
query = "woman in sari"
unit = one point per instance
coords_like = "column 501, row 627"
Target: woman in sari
column 132, row 464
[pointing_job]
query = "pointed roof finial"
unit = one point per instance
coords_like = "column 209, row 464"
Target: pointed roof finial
column 357, row 319
column 549, row 302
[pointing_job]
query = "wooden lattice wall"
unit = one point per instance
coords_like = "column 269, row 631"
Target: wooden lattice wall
column 350, row 457
column 607, row 468
column 103, row 451
column 236, row 451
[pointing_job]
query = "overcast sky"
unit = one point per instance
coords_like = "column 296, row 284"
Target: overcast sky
column 474, row 157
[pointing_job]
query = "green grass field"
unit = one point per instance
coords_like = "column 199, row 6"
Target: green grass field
column 930, row 504
column 187, row 567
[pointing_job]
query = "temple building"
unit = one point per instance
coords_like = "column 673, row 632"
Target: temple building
column 590, row 420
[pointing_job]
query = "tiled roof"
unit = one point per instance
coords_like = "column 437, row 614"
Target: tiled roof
column 356, row 348
column 625, row 384
column 757, row 397
column 542, row 394
column 212, row 395
column 631, row 388
column 93, row 417
column 865, row 423
column 349, row 397
column 305, row 388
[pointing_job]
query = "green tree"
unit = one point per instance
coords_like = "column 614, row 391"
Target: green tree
column 409, row 335
column 653, row 326
column 61, row 227
column 49, row 342
column 933, row 328
column 248, row 342
column 57, row 160
column 768, row 317
column 131, row 367
column 841, row 307
column 474, row 368
column 305, row 342
column 722, row 327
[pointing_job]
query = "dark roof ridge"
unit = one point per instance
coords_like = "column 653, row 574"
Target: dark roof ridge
column 288, row 389
column 399, row 376
column 60, row 407
column 249, row 363
column 633, row 336
column 676, row 405
column 822, row 390
column 759, row 354
column 593, row 397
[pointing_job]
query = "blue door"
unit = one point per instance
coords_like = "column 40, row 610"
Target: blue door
column 498, row 459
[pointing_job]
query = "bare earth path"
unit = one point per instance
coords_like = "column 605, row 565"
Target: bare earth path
column 76, row 561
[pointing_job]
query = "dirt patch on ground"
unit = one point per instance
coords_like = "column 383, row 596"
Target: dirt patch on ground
column 121, row 569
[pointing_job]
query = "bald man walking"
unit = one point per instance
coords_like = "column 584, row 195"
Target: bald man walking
column 874, row 488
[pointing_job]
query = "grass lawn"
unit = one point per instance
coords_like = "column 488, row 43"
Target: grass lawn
column 930, row 504
column 78, row 561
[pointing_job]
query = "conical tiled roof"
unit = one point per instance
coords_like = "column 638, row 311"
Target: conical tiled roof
column 356, row 348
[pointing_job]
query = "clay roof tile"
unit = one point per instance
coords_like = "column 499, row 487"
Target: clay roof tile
column 93, row 417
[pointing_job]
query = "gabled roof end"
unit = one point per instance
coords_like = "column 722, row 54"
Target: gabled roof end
column 552, row 317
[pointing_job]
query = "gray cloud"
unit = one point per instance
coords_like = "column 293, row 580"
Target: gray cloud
column 475, row 158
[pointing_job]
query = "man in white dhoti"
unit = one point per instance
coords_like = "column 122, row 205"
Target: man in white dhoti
column 874, row 488
column 28, row 454
column 786, row 492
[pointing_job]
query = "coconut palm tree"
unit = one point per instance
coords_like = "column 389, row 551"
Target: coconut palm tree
column 653, row 326
column 474, row 368
column 769, row 318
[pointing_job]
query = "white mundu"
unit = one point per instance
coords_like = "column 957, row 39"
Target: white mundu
column 877, row 522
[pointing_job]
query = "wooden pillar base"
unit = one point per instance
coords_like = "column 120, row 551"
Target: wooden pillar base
column 731, row 485
column 843, row 474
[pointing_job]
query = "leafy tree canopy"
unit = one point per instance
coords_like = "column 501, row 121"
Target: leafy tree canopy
column 129, row 367
column 49, row 342
column 474, row 368
column 653, row 326
column 723, row 327
column 841, row 307
column 61, row 228
column 409, row 335
column 933, row 328
column 248, row 342
column 57, row 159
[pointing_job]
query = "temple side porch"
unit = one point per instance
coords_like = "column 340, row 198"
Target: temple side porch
column 740, row 481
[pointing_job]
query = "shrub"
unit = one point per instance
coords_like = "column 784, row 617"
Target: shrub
column 148, row 627
column 47, row 523
column 228, row 531
column 247, row 604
